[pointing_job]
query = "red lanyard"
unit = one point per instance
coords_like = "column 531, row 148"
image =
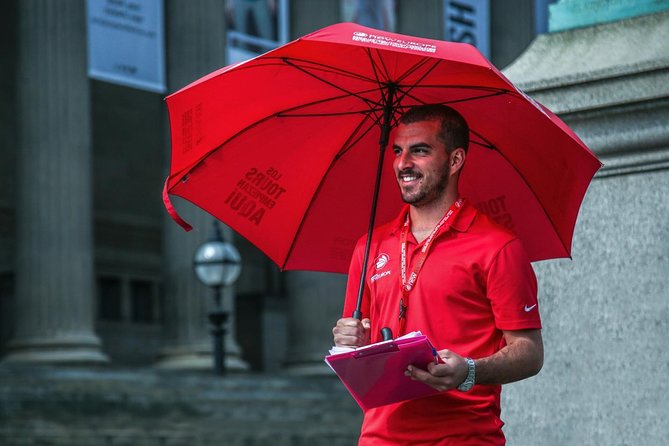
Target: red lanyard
column 408, row 284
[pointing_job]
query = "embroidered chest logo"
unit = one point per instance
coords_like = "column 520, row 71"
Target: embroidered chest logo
column 380, row 262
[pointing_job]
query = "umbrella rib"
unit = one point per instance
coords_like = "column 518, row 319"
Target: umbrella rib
column 350, row 142
column 406, row 73
column 491, row 92
column 376, row 69
column 398, row 99
column 417, row 82
column 327, row 68
column 350, row 93
column 415, row 68
column 489, row 145
column 320, row 184
column 405, row 93
column 281, row 61
column 282, row 114
column 287, row 113
column 187, row 171
column 531, row 189
column 309, row 115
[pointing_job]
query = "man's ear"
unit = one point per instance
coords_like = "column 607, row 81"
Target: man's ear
column 457, row 160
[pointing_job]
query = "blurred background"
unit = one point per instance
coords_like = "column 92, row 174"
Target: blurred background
column 104, row 323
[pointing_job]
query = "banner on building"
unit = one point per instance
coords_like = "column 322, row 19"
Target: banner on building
column 126, row 43
column 379, row 14
column 255, row 27
column 468, row 21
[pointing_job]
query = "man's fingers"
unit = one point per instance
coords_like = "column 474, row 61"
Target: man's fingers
column 351, row 332
column 348, row 331
column 445, row 354
column 423, row 376
column 347, row 327
column 436, row 370
column 438, row 376
column 348, row 322
column 417, row 374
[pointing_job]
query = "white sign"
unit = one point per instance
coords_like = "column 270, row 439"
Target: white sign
column 468, row 21
column 126, row 43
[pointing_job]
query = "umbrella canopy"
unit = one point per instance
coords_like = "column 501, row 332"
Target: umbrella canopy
column 284, row 148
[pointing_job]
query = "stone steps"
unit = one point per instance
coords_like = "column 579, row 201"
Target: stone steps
column 55, row 406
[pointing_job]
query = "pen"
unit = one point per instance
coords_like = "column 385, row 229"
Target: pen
column 436, row 357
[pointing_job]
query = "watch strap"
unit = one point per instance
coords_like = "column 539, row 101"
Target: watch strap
column 469, row 381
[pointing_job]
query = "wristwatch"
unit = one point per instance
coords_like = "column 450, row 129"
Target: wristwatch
column 469, row 381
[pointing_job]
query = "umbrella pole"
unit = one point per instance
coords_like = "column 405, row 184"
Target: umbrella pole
column 383, row 142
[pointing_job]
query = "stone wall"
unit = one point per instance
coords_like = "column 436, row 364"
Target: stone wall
column 606, row 311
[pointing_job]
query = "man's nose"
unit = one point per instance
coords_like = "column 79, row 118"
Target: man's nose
column 404, row 161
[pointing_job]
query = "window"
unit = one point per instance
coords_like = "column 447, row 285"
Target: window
column 110, row 299
column 128, row 299
column 142, row 301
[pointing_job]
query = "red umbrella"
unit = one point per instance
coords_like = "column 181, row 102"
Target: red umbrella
column 283, row 148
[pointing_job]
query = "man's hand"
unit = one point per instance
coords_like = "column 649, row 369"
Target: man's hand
column 443, row 376
column 351, row 332
column 522, row 357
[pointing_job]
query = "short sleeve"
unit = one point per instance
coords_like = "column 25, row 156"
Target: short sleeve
column 512, row 289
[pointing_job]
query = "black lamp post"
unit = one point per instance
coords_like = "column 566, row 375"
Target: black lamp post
column 217, row 264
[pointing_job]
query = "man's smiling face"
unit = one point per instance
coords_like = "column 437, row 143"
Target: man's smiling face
column 421, row 162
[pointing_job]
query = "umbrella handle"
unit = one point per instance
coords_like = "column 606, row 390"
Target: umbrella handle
column 387, row 334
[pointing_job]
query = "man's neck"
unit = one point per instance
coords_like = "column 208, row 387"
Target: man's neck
column 425, row 218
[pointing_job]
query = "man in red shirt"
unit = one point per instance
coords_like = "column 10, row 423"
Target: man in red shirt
column 446, row 269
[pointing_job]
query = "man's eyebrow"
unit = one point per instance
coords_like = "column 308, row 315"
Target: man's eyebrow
column 415, row 145
column 420, row 145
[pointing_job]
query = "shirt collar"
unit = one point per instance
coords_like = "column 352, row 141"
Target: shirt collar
column 465, row 217
column 463, row 220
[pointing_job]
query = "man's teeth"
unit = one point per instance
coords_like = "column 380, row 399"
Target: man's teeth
column 409, row 178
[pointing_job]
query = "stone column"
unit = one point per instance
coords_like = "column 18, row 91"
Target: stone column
column 195, row 46
column 315, row 304
column 511, row 30
column 54, row 266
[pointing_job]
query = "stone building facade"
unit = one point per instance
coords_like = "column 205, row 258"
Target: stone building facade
column 91, row 270
column 94, row 274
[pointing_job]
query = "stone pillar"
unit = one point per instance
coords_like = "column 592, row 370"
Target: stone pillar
column 605, row 311
column 315, row 304
column 195, row 46
column 54, row 265
column 511, row 30
column 424, row 18
column 308, row 15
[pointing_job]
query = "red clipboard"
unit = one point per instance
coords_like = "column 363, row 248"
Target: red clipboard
column 374, row 375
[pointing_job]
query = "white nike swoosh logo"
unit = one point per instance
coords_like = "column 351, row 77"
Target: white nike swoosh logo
column 528, row 309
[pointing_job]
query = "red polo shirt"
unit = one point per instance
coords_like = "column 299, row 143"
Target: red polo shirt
column 476, row 281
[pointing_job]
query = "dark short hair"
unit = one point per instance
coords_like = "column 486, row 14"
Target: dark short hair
column 454, row 131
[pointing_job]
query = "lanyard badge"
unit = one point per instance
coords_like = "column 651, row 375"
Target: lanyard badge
column 408, row 284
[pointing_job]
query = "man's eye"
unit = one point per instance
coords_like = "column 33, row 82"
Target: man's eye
column 396, row 151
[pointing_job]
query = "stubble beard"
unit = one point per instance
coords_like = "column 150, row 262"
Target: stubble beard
column 426, row 194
